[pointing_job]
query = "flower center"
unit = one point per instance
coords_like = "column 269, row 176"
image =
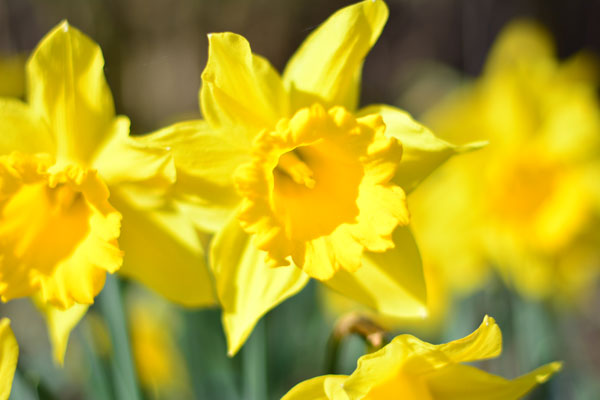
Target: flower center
column 50, row 218
column 290, row 166
column 314, row 188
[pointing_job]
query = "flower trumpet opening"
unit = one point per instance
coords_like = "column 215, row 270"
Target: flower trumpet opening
column 57, row 231
column 318, row 190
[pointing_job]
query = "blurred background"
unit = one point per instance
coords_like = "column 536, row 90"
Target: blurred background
column 444, row 61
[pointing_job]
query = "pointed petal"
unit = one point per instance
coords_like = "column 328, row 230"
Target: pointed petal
column 315, row 388
column 60, row 324
column 66, row 86
column 327, row 67
column 9, row 354
column 22, row 129
column 423, row 151
column 173, row 264
column 485, row 342
column 246, row 287
column 124, row 158
column 238, row 87
column 464, row 382
column 391, row 283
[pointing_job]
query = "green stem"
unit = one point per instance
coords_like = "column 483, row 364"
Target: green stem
column 122, row 367
column 254, row 364
column 98, row 387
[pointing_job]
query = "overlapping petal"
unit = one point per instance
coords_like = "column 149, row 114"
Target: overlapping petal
column 392, row 283
column 164, row 251
column 247, row 288
column 22, row 129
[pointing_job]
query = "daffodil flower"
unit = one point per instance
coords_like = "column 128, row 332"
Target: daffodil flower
column 77, row 191
column 288, row 171
column 9, row 354
column 527, row 202
column 411, row 369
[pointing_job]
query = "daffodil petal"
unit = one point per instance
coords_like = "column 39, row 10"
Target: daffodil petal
column 247, row 288
column 423, row 151
column 22, row 130
column 327, row 67
column 9, row 354
column 464, row 382
column 485, row 342
column 173, row 264
column 391, row 282
column 66, row 86
column 125, row 159
column 315, row 388
column 60, row 324
column 205, row 161
column 238, row 87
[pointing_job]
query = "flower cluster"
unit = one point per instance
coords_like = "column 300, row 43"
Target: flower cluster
column 286, row 179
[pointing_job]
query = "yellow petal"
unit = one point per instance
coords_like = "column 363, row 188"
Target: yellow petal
column 162, row 249
column 238, row 87
column 58, row 231
column 9, row 354
column 205, row 159
column 315, row 388
column 463, row 382
column 327, row 67
column 66, row 86
column 485, row 342
column 60, row 324
column 391, row 283
column 126, row 159
column 246, row 287
column 22, row 130
column 521, row 43
column 423, row 151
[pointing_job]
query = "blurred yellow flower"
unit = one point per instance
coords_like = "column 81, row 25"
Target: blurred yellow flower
column 289, row 171
column 159, row 364
column 62, row 154
column 411, row 369
column 526, row 200
column 9, row 354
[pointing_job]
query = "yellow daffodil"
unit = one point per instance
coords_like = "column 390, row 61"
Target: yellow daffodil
column 159, row 364
column 410, row 369
column 77, row 191
column 527, row 201
column 288, row 171
column 9, row 354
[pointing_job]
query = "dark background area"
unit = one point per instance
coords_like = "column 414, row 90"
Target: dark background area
column 155, row 50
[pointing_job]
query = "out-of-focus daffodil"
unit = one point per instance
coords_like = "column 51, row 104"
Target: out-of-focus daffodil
column 410, row 369
column 9, row 354
column 290, row 172
column 526, row 201
column 62, row 154
column 159, row 363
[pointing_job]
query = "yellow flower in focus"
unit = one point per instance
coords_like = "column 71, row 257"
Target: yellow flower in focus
column 9, row 354
column 288, row 171
column 525, row 201
column 411, row 369
column 63, row 153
